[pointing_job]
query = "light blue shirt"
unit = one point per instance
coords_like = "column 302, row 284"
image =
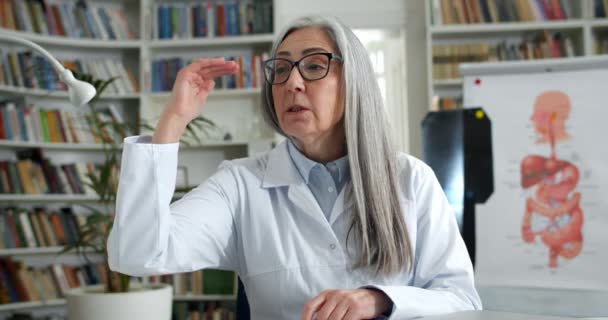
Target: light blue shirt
column 258, row 217
column 325, row 181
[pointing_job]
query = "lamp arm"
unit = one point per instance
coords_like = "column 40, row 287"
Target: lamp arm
column 79, row 92
column 56, row 64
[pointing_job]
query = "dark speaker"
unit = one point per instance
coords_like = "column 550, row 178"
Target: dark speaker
column 457, row 145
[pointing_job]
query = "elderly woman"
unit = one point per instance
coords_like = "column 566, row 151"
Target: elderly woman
column 333, row 223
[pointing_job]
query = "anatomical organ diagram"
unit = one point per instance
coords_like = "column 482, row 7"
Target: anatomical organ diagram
column 553, row 213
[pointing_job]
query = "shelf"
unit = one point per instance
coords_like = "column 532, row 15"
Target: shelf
column 204, row 297
column 448, row 83
column 599, row 23
column 215, row 144
column 51, row 145
column 61, row 94
column 29, row 251
column 31, row 304
column 218, row 41
column 48, row 198
column 74, row 42
column 216, row 93
column 62, row 302
column 36, row 251
column 504, row 27
column 7, row 144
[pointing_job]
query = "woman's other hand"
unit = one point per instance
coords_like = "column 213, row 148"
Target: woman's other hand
column 347, row 304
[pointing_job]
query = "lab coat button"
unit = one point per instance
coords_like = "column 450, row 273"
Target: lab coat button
column 332, row 246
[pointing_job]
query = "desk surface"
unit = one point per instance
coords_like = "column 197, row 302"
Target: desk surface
column 556, row 302
column 495, row 315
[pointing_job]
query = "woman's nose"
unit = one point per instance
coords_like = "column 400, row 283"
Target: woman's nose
column 295, row 83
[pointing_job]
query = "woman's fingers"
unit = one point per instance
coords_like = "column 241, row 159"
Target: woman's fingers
column 228, row 65
column 218, row 73
column 201, row 64
column 204, row 62
column 204, row 70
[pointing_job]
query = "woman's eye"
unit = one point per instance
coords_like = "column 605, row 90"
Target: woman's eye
column 315, row 67
column 281, row 70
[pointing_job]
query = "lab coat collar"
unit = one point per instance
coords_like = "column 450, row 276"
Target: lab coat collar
column 280, row 170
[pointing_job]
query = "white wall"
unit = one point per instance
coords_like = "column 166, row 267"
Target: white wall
column 416, row 71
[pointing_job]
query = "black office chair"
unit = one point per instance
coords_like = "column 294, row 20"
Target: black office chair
column 242, row 305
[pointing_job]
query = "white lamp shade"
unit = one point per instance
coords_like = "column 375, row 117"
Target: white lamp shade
column 80, row 92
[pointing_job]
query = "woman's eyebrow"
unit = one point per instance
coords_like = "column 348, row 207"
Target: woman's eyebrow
column 311, row 50
column 304, row 52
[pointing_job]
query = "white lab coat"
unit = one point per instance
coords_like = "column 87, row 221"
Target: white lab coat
column 256, row 216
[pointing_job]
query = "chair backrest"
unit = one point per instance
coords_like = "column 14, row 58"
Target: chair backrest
column 242, row 305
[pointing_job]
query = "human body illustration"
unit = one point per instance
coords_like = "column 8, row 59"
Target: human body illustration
column 554, row 212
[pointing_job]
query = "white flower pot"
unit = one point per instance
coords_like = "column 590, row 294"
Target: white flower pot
column 150, row 302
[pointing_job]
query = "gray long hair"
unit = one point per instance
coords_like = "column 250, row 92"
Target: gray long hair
column 378, row 222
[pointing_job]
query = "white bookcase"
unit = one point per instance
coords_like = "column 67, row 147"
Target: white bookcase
column 583, row 28
column 236, row 111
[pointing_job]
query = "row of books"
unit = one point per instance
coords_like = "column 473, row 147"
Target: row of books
column 29, row 177
column 32, row 70
column 184, row 20
column 601, row 45
column 446, row 58
column 600, row 8
column 210, row 310
column 39, row 227
column 491, row 11
column 29, row 315
column 32, row 173
column 446, row 103
column 207, row 281
column 32, row 123
column 76, row 19
column 250, row 73
column 21, row 283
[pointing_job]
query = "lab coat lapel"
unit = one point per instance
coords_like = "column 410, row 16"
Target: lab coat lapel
column 301, row 196
column 281, row 172
column 343, row 202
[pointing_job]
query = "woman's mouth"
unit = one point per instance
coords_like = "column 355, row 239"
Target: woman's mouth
column 296, row 109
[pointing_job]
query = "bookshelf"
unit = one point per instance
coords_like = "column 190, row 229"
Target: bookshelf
column 471, row 34
column 137, row 47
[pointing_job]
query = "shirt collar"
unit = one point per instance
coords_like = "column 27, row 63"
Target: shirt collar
column 302, row 163
column 306, row 165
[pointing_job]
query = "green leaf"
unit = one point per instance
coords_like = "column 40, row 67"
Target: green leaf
column 203, row 119
column 105, row 84
column 97, row 83
column 190, row 131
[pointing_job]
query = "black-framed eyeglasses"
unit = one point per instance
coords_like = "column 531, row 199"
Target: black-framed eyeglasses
column 314, row 66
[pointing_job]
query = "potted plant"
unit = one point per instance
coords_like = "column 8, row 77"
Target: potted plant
column 116, row 299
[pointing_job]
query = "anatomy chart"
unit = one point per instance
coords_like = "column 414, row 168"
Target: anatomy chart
column 546, row 225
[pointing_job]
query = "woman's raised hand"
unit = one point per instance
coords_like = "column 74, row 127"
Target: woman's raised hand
column 190, row 91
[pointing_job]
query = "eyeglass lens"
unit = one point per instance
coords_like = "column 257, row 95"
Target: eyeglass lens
column 313, row 67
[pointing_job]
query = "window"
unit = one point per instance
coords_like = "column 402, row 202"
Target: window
column 387, row 53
